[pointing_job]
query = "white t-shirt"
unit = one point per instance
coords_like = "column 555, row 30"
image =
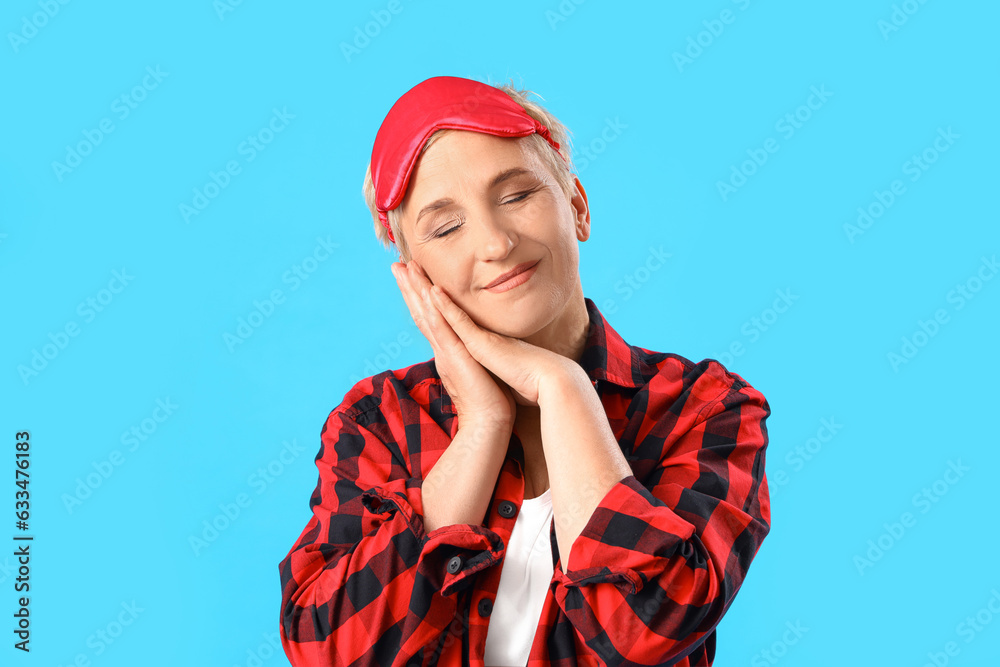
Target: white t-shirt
column 524, row 581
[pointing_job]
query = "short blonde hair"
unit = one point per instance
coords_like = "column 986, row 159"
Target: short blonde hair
column 560, row 169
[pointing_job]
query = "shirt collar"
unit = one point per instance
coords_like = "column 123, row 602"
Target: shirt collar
column 607, row 357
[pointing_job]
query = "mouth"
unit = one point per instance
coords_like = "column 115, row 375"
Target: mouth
column 516, row 276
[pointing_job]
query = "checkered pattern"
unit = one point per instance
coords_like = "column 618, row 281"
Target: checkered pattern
column 654, row 570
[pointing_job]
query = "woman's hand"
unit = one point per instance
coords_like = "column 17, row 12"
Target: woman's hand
column 476, row 393
column 521, row 366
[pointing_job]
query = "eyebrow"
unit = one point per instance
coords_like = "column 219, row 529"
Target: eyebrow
column 504, row 175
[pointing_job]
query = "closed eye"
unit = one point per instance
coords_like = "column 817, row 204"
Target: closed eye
column 520, row 197
column 449, row 231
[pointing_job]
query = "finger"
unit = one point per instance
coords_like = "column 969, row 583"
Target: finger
column 415, row 265
column 415, row 303
column 496, row 352
column 412, row 302
column 419, row 277
column 417, row 292
column 443, row 332
column 470, row 332
column 447, row 339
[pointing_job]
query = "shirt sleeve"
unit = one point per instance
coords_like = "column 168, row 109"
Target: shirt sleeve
column 655, row 569
column 364, row 583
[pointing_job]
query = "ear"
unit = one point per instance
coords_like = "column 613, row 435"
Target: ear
column 578, row 201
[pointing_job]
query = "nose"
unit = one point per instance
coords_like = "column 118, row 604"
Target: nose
column 495, row 240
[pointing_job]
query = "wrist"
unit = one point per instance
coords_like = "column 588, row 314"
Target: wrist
column 485, row 423
column 565, row 379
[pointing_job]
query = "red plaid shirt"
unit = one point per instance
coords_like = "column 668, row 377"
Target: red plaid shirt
column 656, row 567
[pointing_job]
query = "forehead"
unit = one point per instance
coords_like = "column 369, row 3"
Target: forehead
column 465, row 159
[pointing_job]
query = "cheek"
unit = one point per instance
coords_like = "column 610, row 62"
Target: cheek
column 450, row 277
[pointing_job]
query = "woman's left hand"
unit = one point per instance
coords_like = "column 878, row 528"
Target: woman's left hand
column 521, row 365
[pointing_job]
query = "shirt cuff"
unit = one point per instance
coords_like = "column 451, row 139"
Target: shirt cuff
column 450, row 554
column 626, row 541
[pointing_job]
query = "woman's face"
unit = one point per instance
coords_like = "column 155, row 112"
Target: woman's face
column 476, row 207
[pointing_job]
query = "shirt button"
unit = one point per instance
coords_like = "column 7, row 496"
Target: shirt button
column 506, row 509
column 485, row 607
column 455, row 564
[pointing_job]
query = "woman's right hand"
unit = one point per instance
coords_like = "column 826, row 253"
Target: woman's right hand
column 478, row 395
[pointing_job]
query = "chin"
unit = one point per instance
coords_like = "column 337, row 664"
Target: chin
column 517, row 317
column 519, row 320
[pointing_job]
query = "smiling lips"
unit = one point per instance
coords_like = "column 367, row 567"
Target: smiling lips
column 516, row 276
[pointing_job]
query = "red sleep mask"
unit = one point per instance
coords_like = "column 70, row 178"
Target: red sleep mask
column 441, row 102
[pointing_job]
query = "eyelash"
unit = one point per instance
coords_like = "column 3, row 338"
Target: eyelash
column 519, row 198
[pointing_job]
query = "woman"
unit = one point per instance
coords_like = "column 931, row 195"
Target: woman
column 540, row 492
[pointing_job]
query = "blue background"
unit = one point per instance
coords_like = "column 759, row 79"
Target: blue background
column 683, row 127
